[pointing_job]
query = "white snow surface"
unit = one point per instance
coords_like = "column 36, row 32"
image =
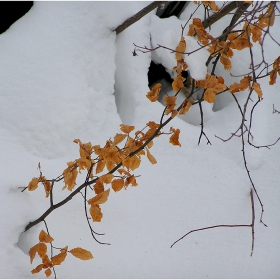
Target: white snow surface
column 66, row 75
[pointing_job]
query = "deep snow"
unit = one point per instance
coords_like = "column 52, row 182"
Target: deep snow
column 65, row 75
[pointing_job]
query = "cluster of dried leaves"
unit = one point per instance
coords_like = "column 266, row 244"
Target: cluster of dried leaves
column 235, row 40
column 100, row 164
column 48, row 263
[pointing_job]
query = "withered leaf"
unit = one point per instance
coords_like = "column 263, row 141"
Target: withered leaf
column 48, row 272
column 44, row 237
column 154, row 93
column 257, row 89
column 117, row 184
column 127, row 128
column 119, row 137
column 81, row 254
column 178, row 83
column 95, row 212
column 39, row 248
column 33, row 184
column 37, row 269
column 174, row 139
column 100, row 198
column 151, row 157
column 58, row 259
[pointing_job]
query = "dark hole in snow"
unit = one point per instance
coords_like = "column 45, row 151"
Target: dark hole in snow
column 11, row 11
column 158, row 73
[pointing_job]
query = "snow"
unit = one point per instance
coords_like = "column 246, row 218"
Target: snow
column 66, row 75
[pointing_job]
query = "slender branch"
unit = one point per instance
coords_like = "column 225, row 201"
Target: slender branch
column 51, row 247
column 205, row 228
column 230, row 226
column 138, row 16
column 253, row 221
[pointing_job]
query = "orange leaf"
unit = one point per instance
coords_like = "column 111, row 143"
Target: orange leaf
column 39, row 248
column 119, row 137
column 131, row 180
column 98, row 187
column 126, row 128
column 226, row 62
column 37, row 269
column 151, row 157
column 44, row 237
column 117, row 184
column 210, row 95
column 174, row 139
column 170, row 102
column 154, row 93
column 47, row 187
column 95, row 212
column 46, row 261
column 185, row 108
column 178, row 83
column 106, row 178
column 48, row 272
column 272, row 76
column 242, row 85
column 180, row 49
column 100, row 198
column 58, row 259
column 100, row 166
column 123, row 171
column 33, row 184
column 81, row 254
column 70, row 175
column 257, row 89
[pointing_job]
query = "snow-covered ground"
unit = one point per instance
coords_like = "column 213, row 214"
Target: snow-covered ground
column 66, row 75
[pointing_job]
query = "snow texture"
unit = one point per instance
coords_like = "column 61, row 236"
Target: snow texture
column 65, row 75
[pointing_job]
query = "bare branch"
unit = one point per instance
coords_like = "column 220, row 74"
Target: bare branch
column 138, row 16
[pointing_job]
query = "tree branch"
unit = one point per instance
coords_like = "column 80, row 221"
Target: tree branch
column 138, row 16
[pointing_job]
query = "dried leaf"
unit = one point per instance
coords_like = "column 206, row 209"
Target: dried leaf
column 119, row 137
column 106, row 178
column 39, row 248
column 70, row 175
column 180, row 49
column 151, row 157
column 226, row 62
column 44, row 237
column 154, row 93
column 178, row 83
column 174, row 139
column 272, row 76
column 95, row 212
column 47, row 186
column 46, row 261
column 100, row 166
column 37, row 269
column 33, row 184
column 48, row 272
column 127, row 128
column 242, row 85
column 117, row 184
column 257, row 89
column 210, row 95
column 100, row 198
column 185, row 107
column 81, row 254
column 98, row 187
column 170, row 102
column 131, row 180
column 58, row 259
